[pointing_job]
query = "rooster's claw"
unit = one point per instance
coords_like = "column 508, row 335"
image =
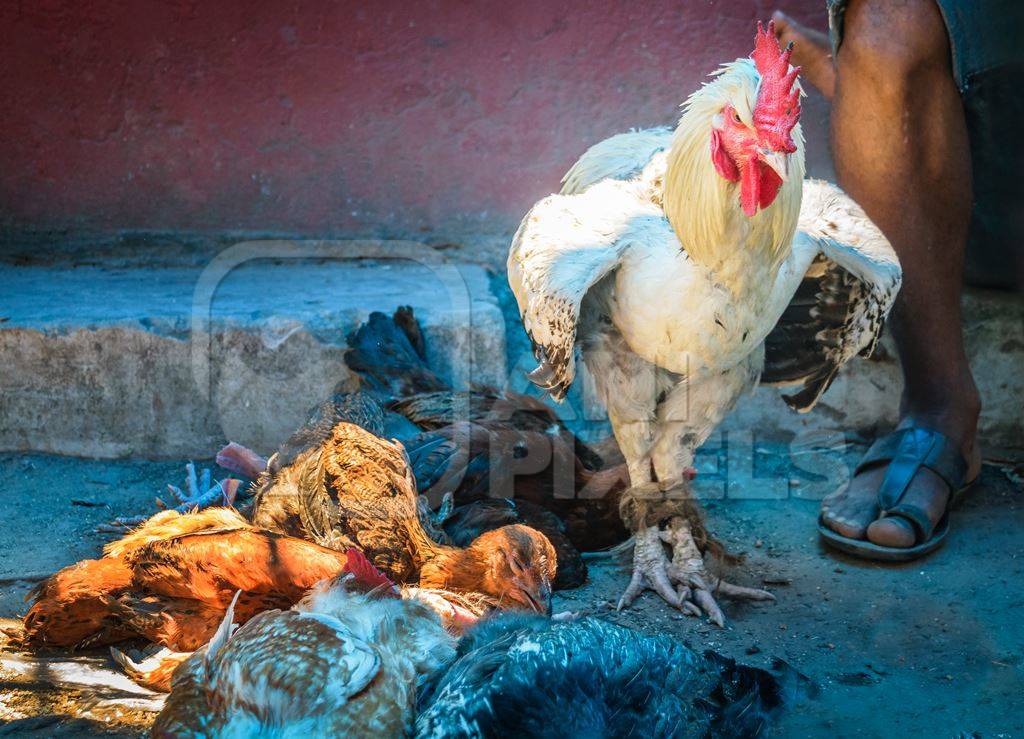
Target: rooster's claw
column 683, row 582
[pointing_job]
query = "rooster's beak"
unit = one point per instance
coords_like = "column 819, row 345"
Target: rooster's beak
column 778, row 161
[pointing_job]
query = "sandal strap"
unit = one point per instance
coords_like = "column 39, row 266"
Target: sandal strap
column 906, row 451
column 916, row 516
column 882, row 451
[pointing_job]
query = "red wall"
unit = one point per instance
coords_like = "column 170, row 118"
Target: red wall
column 335, row 117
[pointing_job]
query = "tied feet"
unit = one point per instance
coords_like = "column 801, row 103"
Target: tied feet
column 200, row 492
column 681, row 580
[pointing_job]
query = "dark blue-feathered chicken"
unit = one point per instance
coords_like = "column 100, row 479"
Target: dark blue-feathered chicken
column 533, row 677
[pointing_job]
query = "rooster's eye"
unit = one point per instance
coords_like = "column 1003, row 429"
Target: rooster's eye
column 736, row 116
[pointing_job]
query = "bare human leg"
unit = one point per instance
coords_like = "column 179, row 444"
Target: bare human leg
column 901, row 150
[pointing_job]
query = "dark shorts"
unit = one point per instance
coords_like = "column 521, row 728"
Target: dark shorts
column 986, row 39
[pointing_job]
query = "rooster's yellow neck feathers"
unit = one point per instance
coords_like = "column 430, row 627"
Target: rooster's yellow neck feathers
column 703, row 208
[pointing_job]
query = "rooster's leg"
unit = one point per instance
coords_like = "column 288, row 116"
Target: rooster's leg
column 200, row 492
column 669, row 503
column 667, row 515
column 634, row 438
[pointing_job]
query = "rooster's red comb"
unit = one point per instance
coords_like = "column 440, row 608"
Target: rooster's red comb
column 778, row 100
column 365, row 573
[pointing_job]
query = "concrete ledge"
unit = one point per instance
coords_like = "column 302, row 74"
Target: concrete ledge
column 115, row 359
column 171, row 361
column 866, row 395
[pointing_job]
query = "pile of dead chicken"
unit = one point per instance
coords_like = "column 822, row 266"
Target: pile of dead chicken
column 327, row 644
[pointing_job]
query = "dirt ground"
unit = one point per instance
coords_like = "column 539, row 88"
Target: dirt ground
column 930, row 649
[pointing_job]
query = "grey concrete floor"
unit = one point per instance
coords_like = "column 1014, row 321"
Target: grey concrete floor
column 930, row 649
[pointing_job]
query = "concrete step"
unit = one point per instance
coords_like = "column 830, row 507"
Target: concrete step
column 171, row 361
column 865, row 396
column 116, row 358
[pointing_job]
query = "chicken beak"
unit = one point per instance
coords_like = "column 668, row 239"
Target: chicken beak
column 538, row 598
column 778, row 161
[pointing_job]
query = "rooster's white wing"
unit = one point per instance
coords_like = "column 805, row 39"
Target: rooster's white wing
column 841, row 304
column 564, row 246
column 619, row 157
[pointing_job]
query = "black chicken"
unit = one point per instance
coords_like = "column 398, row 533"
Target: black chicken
column 530, row 676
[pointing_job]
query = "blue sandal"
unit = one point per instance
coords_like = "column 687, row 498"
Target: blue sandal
column 906, row 451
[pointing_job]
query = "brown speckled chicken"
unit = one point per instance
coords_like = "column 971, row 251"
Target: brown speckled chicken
column 171, row 581
column 486, row 442
column 153, row 667
column 339, row 484
column 485, row 514
column 339, row 663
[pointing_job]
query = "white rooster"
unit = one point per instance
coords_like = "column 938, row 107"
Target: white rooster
column 686, row 266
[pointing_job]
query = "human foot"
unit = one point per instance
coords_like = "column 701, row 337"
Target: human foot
column 812, row 52
column 853, row 512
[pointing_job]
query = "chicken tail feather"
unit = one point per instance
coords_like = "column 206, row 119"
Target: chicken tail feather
column 387, row 353
column 748, row 698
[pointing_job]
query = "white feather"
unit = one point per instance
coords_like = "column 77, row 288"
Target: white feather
column 619, row 157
